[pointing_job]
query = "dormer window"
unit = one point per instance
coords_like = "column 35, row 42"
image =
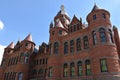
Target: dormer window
column 94, row 17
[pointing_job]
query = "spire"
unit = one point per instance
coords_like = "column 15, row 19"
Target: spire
column 62, row 11
column 59, row 24
column 29, row 38
column 95, row 7
column 11, row 45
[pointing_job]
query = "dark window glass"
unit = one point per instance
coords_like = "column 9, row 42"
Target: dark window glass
column 65, row 47
column 60, row 32
column 53, row 32
column 71, row 30
column 94, row 37
column 103, row 65
column 79, row 68
column 102, row 35
column 94, row 17
column 78, row 44
column 74, row 27
column 103, row 15
column 71, row 46
column 72, row 69
column 56, row 47
column 110, row 36
column 88, row 67
column 50, row 72
column 86, row 43
column 65, row 70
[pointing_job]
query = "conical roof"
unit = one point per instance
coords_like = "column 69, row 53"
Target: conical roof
column 95, row 7
column 29, row 38
column 59, row 24
column 11, row 45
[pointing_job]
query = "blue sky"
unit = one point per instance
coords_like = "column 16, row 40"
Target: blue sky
column 21, row 17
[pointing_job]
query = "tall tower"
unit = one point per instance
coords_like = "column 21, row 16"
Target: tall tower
column 104, row 55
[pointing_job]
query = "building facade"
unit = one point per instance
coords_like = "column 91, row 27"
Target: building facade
column 76, row 51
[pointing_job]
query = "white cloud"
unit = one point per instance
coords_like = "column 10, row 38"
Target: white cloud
column 1, row 25
column 1, row 52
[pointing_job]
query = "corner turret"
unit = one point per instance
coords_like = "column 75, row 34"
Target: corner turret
column 98, row 17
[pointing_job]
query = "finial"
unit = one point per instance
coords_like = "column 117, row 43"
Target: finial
column 62, row 8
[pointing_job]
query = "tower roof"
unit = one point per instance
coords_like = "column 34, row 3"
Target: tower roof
column 95, row 7
column 29, row 38
column 59, row 24
column 62, row 11
column 11, row 45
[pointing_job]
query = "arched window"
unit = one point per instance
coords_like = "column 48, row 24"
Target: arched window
column 20, row 76
column 50, row 47
column 103, row 15
column 65, row 47
column 86, row 43
column 79, row 68
column 72, row 69
column 103, row 65
column 88, row 67
column 102, row 35
column 65, row 70
column 110, row 36
column 50, row 72
column 78, row 44
column 56, row 47
column 71, row 46
column 94, row 37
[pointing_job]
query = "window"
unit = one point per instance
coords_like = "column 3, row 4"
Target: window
column 88, row 67
column 50, row 72
column 60, row 32
column 71, row 30
column 110, row 36
column 65, row 47
column 86, row 43
column 79, row 68
column 103, row 65
column 94, row 37
column 78, row 43
column 72, row 69
column 94, row 17
column 3, row 62
column 71, row 46
column 78, row 27
column 50, row 46
column 103, row 15
column 56, row 47
column 53, row 32
column 20, row 76
column 102, row 35
column 74, row 27
column 26, row 55
column 65, row 70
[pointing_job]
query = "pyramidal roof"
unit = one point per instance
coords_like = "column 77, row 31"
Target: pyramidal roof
column 11, row 45
column 59, row 24
column 29, row 38
column 95, row 7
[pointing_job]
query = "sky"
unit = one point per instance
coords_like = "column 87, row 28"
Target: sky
column 18, row 18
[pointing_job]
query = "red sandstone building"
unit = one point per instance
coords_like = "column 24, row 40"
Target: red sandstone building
column 75, row 51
